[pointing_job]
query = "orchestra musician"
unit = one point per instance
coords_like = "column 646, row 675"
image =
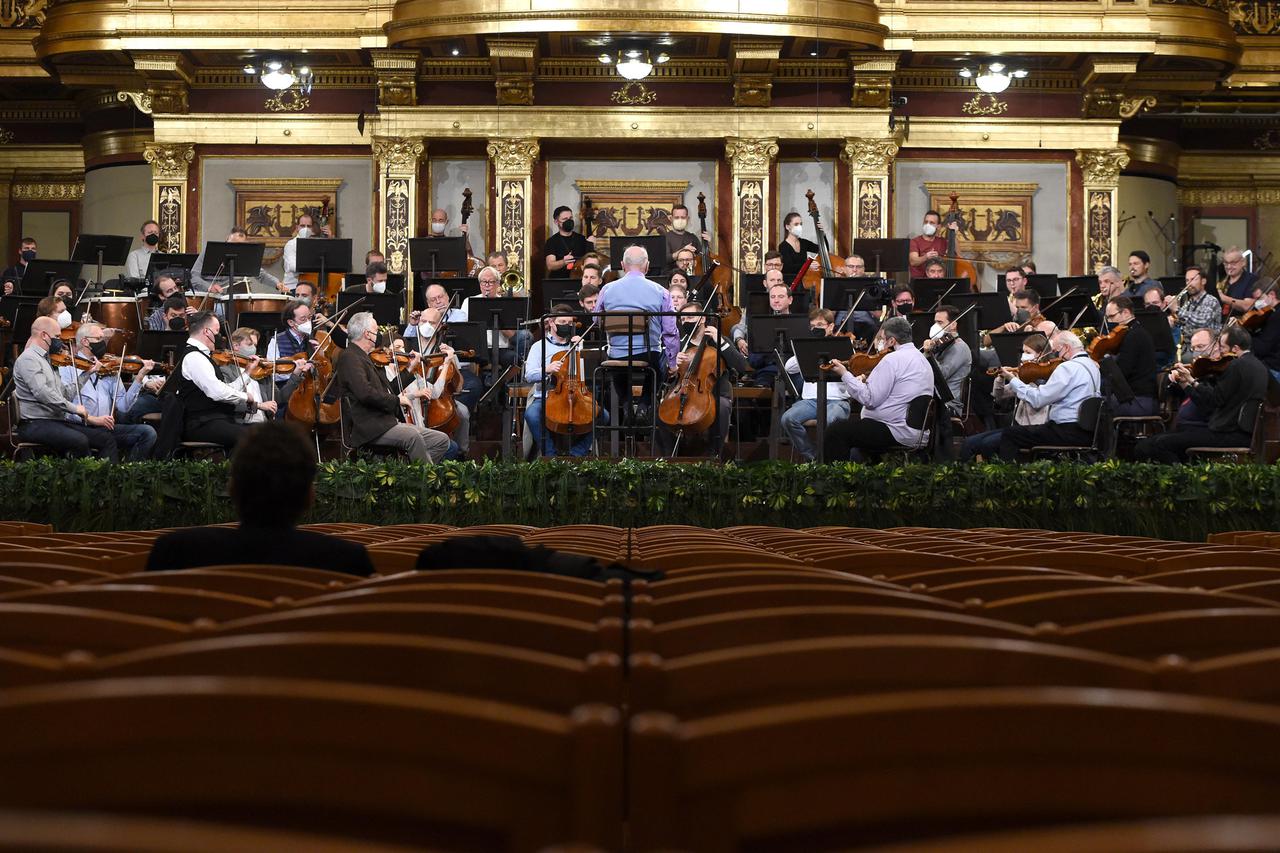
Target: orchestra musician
column 656, row 341
column 930, row 243
column 772, row 260
column 1110, row 283
column 498, row 261
column 558, row 336
column 244, row 343
column 589, row 295
column 684, row 262
column 1244, row 382
column 512, row 343
column 1194, row 308
column 135, row 266
column 679, row 237
column 679, row 290
column 372, row 412
column 295, row 335
column 1153, row 300
column 794, row 249
column 422, row 328
column 414, row 379
column 106, row 397
column 853, row 267
column 764, row 364
column 952, row 354
column 44, row 400
column 440, row 228
column 1140, row 280
column 172, row 315
column 55, row 308
column 1071, row 383
column 821, row 324
column 375, row 279
column 1266, row 340
column 591, row 277
column 1130, row 374
column 694, row 327
column 1237, row 291
column 209, row 404
column 885, row 395
column 27, row 251
column 935, row 268
column 304, row 226
column 566, row 245
column 263, row 282
column 1189, row 414
column 986, row 445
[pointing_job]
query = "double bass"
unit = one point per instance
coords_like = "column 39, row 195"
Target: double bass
column 569, row 408
column 474, row 265
column 334, row 281
column 958, row 267
column 813, row 277
column 720, row 274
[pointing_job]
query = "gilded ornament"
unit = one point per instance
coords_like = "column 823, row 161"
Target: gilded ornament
column 48, row 191
column 1130, row 107
column 6, row 136
column 1099, row 229
column 1268, row 141
column 870, row 209
column 511, row 221
column 169, row 98
column 398, row 152
column 513, row 156
column 1255, row 17
column 750, row 155
column 751, row 224
column 396, row 229
column 869, row 155
column 169, row 160
column 516, row 91
column 634, row 94
column 169, row 214
column 396, row 91
column 23, row 14
column 288, row 101
column 141, row 100
column 985, row 105
column 1102, row 165
column 752, row 91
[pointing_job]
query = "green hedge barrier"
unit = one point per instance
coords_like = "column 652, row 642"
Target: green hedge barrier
column 1171, row 502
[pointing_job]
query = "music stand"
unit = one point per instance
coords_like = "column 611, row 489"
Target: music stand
column 497, row 313
column 20, row 311
column 235, row 260
column 162, row 347
column 839, row 294
column 165, row 262
column 265, row 323
column 557, row 290
column 385, row 307
column 992, row 310
column 40, row 275
column 321, row 256
column 890, row 255
column 1008, row 346
column 937, row 291
column 1157, row 325
column 1086, row 284
column 751, row 282
column 1172, row 284
column 435, row 255
column 1066, row 309
column 769, row 332
column 811, row 354
column 654, row 244
column 110, row 250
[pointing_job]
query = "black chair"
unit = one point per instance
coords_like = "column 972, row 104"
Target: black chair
column 368, row 451
column 922, row 415
column 1250, row 420
column 632, row 371
column 24, row 449
column 1089, row 419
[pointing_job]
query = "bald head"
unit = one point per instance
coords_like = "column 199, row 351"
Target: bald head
column 635, row 258
column 40, row 328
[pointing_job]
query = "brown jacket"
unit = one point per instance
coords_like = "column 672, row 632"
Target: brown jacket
column 368, row 407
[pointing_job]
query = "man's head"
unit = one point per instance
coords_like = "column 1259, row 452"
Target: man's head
column 375, row 276
column 1235, row 340
column 679, row 217
column 90, row 336
column 306, row 291
column 934, row 268
column 203, row 327
column 175, row 312
column 489, row 282
column 1233, row 260
column 1204, row 344
column 904, row 299
column 237, row 235
column 1027, row 300
column 679, row 295
column 439, row 221
column 1153, row 298
column 437, row 297
column 498, row 261
column 166, row 286
column 1067, row 344
column 822, row 321
column 273, row 470
column 1029, row 268
column 150, row 234
column 945, row 317
column 1110, row 282
column 1139, row 262
column 1015, row 279
column 362, row 330
column 244, row 341
column 635, row 259
column 678, row 279
column 772, row 261
column 929, row 224
column 1119, row 309
column 304, row 225
column 44, row 331
column 779, row 298
column 772, row 278
column 855, row 265
column 897, row 330
column 374, row 256
column 27, row 250
column 1194, row 277
column 561, row 322
column 296, row 316
column 562, row 216
column 591, row 276
column 684, row 259
column 588, row 295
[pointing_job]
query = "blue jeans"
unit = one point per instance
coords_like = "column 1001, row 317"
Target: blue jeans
column 802, row 410
column 545, row 439
column 984, row 444
column 137, row 439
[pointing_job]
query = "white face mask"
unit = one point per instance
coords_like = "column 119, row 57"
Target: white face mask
column 1026, row 356
column 935, row 330
column 425, row 330
column 379, row 287
column 679, row 224
column 880, row 345
column 929, row 229
column 304, row 232
column 797, row 230
column 437, row 227
column 248, row 350
column 64, row 319
column 305, row 328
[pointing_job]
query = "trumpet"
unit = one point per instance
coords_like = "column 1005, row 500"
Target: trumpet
column 1097, row 300
column 512, row 281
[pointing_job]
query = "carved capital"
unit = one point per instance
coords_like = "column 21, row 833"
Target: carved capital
column 1102, row 166
column 398, row 152
column 869, row 155
column 515, row 90
column 141, row 100
column 169, row 160
column 513, row 156
column 397, row 72
column 750, row 155
column 168, row 98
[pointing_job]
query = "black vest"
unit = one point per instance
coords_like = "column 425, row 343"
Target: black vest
column 197, row 404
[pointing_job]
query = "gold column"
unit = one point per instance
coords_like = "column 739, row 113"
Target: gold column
column 397, row 159
column 869, row 162
column 169, row 165
column 1101, row 168
column 513, row 161
column 751, row 162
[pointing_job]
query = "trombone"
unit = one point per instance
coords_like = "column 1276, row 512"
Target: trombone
column 512, row 280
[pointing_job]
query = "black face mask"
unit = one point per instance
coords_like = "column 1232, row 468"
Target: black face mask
column 56, row 346
column 687, row 330
column 564, row 330
column 98, row 348
column 906, row 308
column 28, row 255
column 152, row 239
column 567, row 226
column 177, row 324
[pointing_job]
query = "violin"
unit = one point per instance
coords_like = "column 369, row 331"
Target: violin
column 383, row 356
column 263, row 369
column 1032, row 371
column 1204, row 366
column 569, row 408
column 958, row 267
column 1108, row 344
column 862, row 363
column 108, row 365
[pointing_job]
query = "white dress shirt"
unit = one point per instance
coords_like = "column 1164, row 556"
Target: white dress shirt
column 291, row 264
column 835, row 390
column 200, row 372
column 899, row 378
column 135, row 266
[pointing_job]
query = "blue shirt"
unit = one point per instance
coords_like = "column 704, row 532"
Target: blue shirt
column 97, row 392
column 1070, row 384
column 634, row 292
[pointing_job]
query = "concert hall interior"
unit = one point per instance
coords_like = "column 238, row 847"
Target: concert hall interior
column 399, row 398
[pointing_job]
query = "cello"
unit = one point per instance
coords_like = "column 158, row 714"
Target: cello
column 958, row 267
column 689, row 404
column 721, row 276
column 569, row 408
